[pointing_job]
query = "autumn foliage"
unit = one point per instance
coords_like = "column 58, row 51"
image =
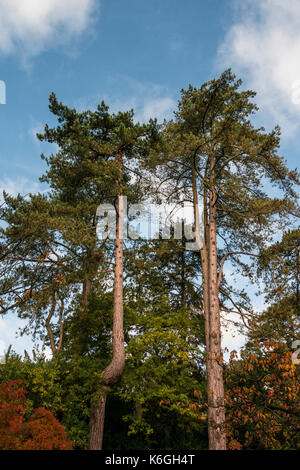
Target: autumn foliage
column 263, row 400
column 18, row 431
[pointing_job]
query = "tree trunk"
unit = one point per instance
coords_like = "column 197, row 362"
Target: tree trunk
column 214, row 369
column 114, row 370
column 203, row 254
column 215, row 384
column 86, row 290
column 97, row 423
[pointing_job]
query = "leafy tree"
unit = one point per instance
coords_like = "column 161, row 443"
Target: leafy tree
column 60, row 229
column 212, row 154
column 68, row 284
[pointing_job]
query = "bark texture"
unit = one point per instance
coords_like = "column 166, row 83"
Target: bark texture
column 97, row 423
column 114, row 370
column 214, row 367
column 216, row 411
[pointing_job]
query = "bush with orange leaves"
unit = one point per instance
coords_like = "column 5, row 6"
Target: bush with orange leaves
column 40, row 431
column 263, row 393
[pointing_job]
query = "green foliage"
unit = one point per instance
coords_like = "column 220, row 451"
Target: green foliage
column 57, row 273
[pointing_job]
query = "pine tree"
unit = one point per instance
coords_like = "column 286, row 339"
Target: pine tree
column 213, row 155
column 61, row 228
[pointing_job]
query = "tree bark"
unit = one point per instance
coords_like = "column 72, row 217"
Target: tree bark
column 86, row 290
column 97, row 423
column 215, row 384
column 214, row 368
column 114, row 370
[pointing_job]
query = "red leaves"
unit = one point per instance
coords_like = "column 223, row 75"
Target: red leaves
column 41, row 431
column 12, row 408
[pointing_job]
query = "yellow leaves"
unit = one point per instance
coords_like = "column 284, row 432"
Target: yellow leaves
column 184, row 356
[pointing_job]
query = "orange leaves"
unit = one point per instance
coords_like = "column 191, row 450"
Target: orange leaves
column 262, row 398
column 41, row 431
column 234, row 445
column 60, row 278
column 41, row 260
column 233, row 355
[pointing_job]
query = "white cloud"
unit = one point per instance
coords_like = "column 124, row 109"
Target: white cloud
column 159, row 108
column 30, row 26
column 37, row 128
column 147, row 99
column 18, row 185
column 263, row 44
column 9, row 329
column 232, row 338
column 2, row 349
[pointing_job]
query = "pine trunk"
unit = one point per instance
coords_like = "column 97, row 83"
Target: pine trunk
column 114, row 370
column 215, row 384
column 211, row 307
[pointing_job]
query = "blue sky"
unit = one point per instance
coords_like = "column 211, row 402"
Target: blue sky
column 136, row 53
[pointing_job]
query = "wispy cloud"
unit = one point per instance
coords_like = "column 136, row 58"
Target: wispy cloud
column 147, row 99
column 176, row 44
column 30, row 26
column 37, row 128
column 18, row 185
column 263, row 45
